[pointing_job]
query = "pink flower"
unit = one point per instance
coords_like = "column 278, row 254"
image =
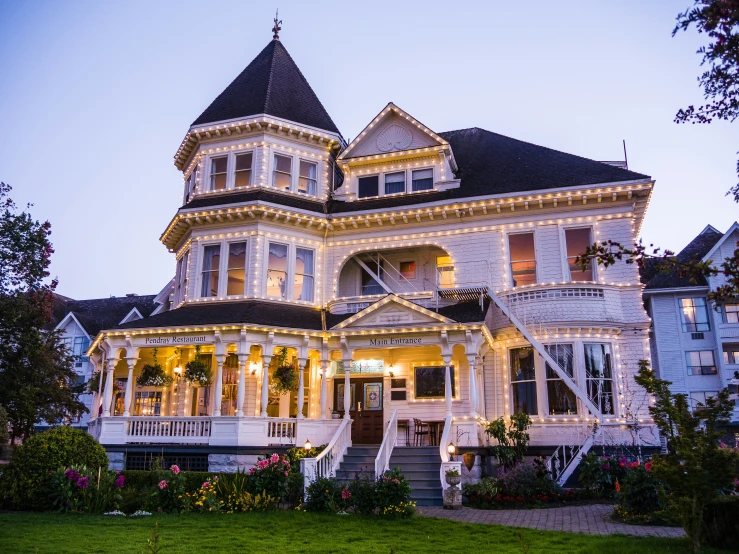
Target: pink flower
column 175, row 469
column 205, row 485
column 346, row 494
column 274, row 458
column 261, row 464
column 162, row 484
column 648, row 467
column 286, row 474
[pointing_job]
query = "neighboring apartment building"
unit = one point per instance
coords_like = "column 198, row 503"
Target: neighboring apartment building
column 421, row 283
column 695, row 344
column 81, row 320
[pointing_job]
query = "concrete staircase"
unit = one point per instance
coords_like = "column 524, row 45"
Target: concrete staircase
column 421, row 466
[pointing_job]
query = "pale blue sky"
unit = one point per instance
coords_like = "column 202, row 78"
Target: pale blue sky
column 95, row 97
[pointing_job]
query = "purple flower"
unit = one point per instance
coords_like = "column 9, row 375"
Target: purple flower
column 71, row 474
column 120, row 481
column 82, row 482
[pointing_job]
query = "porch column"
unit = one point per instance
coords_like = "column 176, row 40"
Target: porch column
column 220, row 358
column 324, row 387
column 448, row 384
column 347, row 388
column 265, row 384
column 108, row 394
column 242, row 385
column 473, row 385
column 302, row 363
column 479, row 367
column 129, row 387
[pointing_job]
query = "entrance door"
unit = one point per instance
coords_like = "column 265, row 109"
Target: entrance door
column 366, row 408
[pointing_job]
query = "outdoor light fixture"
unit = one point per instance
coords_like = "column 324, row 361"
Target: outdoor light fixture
column 392, row 374
column 451, row 449
column 177, row 370
column 307, row 446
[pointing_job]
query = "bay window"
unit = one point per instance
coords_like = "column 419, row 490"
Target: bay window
column 395, row 182
column 599, row 376
column 211, row 270
column 523, row 381
column 562, row 400
column 277, row 270
column 282, row 172
column 694, row 315
column 304, row 275
column 182, row 277
column 307, row 180
column 236, row 272
column 523, row 259
column 422, row 179
column 218, row 173
column 242, row 173
column 577, row 242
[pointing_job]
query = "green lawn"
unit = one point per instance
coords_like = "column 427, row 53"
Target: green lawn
column 280, row 532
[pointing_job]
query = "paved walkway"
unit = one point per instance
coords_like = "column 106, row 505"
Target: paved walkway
column 594, row 519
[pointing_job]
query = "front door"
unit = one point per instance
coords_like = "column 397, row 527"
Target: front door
column 365, row 408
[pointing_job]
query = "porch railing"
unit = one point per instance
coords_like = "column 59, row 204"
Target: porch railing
column 446, row 462
column 184, row 429
column 382, row 462
column 327, row 462
column 282, row 429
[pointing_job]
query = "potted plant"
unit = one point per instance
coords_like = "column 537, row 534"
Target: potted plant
column 335, row 415
column 285, row 376
column 453, row 477
column 152, row 375
column 196, row 372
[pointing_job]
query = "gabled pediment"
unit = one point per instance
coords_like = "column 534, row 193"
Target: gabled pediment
column 390, row 311
column 392, row 131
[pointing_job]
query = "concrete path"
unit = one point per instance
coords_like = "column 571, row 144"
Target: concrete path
column 594, row 519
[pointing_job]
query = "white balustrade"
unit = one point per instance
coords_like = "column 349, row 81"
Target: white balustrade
column 279, row 428
column 382, row 462
column 168, row 429
column 327, row 462
column 446, row 463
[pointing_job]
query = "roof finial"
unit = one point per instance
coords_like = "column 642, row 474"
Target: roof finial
column 276, row 28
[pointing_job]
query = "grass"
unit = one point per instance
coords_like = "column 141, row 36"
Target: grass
column 280, row 532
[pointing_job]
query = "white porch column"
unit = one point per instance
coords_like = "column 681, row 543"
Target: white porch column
column 241, row 392
column 479, row 368
column 220, row 358
column 128, row 399
column 473, row 385
column 324, row 387
column 448, row 384
column 347, row 388
column 265, row 384
column 108, row 394
column 302, row 363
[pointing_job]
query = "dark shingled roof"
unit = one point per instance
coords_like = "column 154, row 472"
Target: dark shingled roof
column 277, row 314
column 271, row 84
column 101, row 313
column 490, row 163
column 255, row 196
column 694, row 251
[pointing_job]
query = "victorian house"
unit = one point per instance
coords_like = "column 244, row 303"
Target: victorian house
column 415, row 283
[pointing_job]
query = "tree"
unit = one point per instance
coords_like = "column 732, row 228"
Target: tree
column 719, row 19
column 37, row 379
column 696, row 468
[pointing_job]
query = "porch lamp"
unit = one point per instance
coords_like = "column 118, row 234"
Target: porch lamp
column 177, row 370
column 307, row 445
column 451, row 449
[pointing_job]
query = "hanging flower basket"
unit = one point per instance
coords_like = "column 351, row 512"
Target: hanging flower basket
column 197, row 373
column 285, row 377
column 152, row 375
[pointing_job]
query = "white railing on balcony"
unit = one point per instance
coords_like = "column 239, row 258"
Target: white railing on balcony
column 327, row 462
column 382, row 462
column 282, row 429
column 169, row 429
column 93, row 428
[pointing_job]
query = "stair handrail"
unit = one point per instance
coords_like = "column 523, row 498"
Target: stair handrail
column 382, row 461
column 561, row 475
column 326, row 463
column 446, row 463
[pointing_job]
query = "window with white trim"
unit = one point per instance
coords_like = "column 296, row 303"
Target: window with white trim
column 182, row 266
column 523, row 381
column 408, row 269
column 395, row 182
column 304, row 274
column 694, row 315
column 523, row 259
column 698, row 400
column 236, row 271
column 560, row 398
column 243, row 169
column 700, row 362
column 731, row 354
column 277, row 270
column 422, row 179
column 218, row 173
column 599, row 376
column 282, row 172
column 369, row 186
column 307, row 181
column 211, row 270
column 577, row 242
column 731, row 313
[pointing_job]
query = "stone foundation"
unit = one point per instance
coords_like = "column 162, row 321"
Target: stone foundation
column 116, row 461
column 231, row 463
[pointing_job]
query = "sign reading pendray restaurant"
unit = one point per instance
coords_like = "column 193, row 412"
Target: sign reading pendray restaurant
column 200, row 339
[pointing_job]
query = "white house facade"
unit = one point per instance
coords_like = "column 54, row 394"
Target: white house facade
column 422, row 283
column 695, row 343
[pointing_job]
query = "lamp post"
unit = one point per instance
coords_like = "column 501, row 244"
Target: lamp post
column 451, row 450
column 307, row 446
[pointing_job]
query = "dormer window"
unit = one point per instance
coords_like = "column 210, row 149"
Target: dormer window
column 369, row 186
column 281, row 176
column 307, row 181
column 242, row 174
column 423, row 179
column 218, row 173
column 395, row 182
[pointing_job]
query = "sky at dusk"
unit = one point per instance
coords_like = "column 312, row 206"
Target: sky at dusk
column 95, row 98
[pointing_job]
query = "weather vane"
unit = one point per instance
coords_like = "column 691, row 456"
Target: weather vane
column 276, row 28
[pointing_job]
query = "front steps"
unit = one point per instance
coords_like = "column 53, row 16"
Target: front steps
column 419, row 464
